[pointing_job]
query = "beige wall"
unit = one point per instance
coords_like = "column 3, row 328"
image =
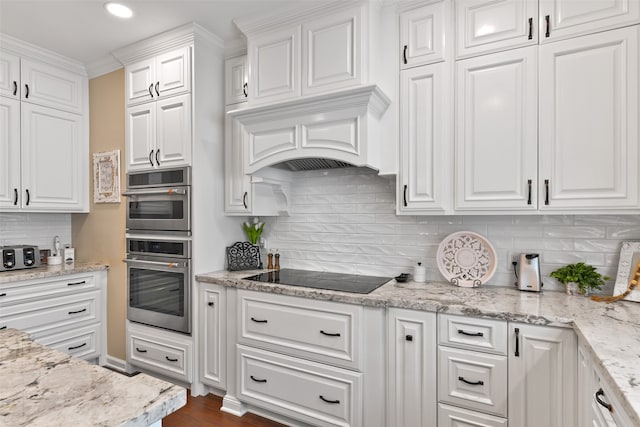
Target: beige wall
column 100, row 235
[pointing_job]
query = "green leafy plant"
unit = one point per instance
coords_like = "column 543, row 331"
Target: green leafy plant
column 253, row 231
column 584, row 275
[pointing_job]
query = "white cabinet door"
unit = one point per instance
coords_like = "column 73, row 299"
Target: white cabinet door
column 425, row 139
column 494, row 25
column 422, row 35
column 9, row 74
column 235, row 75
column 451, row 416
column 589, row 121
column 496, row 131
column 10, row 189
column 237, row 191
column 54, row 172
column 46, row 85
column 140, row 78
column 173, row 73
column 274, row 66
column 560, row 19
column 332, row 52
column 173, row 131
column 542, row 376
column 213, row 356
column 412, row 368
column 140, row 129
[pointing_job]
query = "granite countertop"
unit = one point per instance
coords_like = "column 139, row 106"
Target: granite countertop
column 611, row 332
column 46, row 271
column 44, row 387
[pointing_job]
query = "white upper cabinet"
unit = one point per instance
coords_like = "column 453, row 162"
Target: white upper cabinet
column 493, row 25
column 422, row 35
column 589, row 121
column 560, row 19
column 10, row 188
column 497, row 131
column 236, row 84
column 10, row 75
column 238, row 192
column 158, row 77
column 50, row 86
column 274, row 66
column 425, row 139
column 332, row 53
column 51, row 146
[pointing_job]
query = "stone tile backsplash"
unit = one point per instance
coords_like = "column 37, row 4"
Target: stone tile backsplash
column 34, row 229
column 344, row 220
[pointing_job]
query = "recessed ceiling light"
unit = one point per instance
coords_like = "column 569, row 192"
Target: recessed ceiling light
column 119, row 10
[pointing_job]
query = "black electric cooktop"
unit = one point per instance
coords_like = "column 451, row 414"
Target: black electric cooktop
column 322, row 280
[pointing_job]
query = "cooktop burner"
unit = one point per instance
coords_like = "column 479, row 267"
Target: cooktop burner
column 322, row 280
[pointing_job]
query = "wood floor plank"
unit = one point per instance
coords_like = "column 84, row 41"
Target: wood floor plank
column 204, row 411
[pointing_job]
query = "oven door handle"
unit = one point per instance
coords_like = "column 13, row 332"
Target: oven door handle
column 163, row 264
column 168, row 191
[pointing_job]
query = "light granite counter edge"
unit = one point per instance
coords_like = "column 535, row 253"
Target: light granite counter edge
column 48, row 271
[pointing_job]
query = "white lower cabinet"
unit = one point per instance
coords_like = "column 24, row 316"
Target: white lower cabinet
column 542, row 376
column 66, row 313
column 452, row 416
column 319, row 394
column 213, row 334
column 163, row 352
column 412, row 368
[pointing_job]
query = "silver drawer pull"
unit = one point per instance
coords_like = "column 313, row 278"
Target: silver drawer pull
column 77, row 311
column 471, row 334
column 259, row 320
column 77, row 346
column 471, row 382
column 328, row 400
column 257, row 379
column 329, row 334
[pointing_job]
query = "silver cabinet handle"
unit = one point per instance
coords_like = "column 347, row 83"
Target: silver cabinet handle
column 169, row 191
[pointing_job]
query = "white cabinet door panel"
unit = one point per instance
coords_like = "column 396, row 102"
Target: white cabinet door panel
column 141, row 135
column 10, row 189
column 491, row 26
column 173, row 73
column 140, row 79
column 560, row 19
column 236, row 85
column 9, row 75
column 274, row 66
column 496, row 138
column 213, row 354
column 51, row 139
column 422, row 35
column 173, row 134
column 589, row 123
column 238, row 195
column 451, row 416
column 425, row 138
column 332, row 54
column 51, row 86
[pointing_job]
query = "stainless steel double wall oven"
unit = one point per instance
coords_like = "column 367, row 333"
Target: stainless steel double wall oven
column 159, row 248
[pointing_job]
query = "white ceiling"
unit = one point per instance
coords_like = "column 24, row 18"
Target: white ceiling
column 84, row 31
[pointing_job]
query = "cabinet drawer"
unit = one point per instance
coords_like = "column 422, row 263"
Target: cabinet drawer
column 450, row 416
column 473, row 333
column 18, row 292
column 318, row 330
column 39, row 317
column 473, row 380
column 317, row 394
column 162, row 354
column 82, row 342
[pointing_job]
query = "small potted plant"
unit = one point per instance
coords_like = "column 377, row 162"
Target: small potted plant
column 579, row 277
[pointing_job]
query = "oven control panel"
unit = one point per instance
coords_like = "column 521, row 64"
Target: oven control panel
column 19, row 257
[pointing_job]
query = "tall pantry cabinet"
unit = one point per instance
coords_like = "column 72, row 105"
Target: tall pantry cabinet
column 44, row 130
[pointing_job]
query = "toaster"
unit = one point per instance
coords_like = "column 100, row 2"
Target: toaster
column 528, row 273
column 18, row 257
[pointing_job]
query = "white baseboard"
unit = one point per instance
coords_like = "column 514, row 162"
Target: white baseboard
column 119, row 365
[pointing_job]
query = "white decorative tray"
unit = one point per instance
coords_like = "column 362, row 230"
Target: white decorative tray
column 466, row 259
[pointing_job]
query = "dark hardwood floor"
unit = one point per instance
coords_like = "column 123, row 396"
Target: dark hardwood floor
column 205, row 411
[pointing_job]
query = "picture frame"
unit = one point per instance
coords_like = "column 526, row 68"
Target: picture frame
column 106, row 177
column 629, row 257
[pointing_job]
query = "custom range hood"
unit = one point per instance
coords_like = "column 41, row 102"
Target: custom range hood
column 339, row 129
column 321, row 88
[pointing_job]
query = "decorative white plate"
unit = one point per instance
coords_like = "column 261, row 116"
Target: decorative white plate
column 466, row 259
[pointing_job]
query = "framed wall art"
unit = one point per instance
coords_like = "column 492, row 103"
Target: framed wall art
column 629, row 257
column 106, row 177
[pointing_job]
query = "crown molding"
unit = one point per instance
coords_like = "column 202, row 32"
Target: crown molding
column 235, row 47
column 102, row 66
column 26, row 49
column 185, row 35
